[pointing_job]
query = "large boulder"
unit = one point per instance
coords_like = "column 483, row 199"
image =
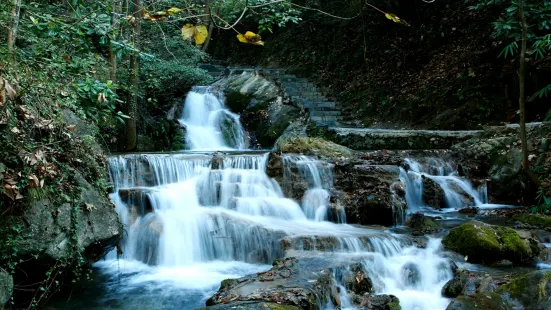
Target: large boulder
column 468, row 283
column 479, row 301
column 486, row 243
column 52, row 227
column 497, row 155
column 422, row 224
column 370, row 194
column 530, row 291
column 278, row 285
column 265, row 113
column 433, row 194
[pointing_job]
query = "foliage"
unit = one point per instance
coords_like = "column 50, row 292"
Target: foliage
column 507, row 27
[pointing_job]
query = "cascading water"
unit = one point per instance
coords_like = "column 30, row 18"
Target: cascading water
column 209, row 124
column 319, row 178
column 194, row 219
column 458, row 192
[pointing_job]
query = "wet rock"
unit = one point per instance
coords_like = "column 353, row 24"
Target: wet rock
column 251, row 305
column 380, row 302
column 422, row 224
column 468, row 283
column 217, row 161
column 368, row 194
column 280, row 285
column 469, row 211
column 356, row 279
column 479, row 301
column 545, row 256
column 497, row 155
column 433, row 194
column 6, row 287
column 532, row 291
column 486, row 243
column 534, row 221
column 137, row 201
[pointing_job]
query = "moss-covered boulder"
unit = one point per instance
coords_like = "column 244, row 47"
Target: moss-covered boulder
column 422, row 224
column 532, row 291
column 313, row 146
column 485, row 243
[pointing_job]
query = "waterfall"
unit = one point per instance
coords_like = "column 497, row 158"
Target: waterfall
column 193, row 219
column 209, row 124
column 459, row 192
column 318, row 176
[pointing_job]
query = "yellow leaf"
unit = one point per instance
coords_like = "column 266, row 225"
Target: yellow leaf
column 201, row 34
column 173, row 11
column 250, row 38
column 396, row 19
column 187, row 31
column 242, row 38
column 161, row 13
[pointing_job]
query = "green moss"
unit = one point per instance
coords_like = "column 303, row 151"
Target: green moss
column 237, row 102
column 475, row 239
column 226, row 283
column 394, row 305
column 534, row 220
column 486, row 243
column 313, row 146
column 513, row 246
column 531, row 289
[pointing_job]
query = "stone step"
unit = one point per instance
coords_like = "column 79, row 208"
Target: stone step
column 316, row 118
column 324, row 113
column 375, row 139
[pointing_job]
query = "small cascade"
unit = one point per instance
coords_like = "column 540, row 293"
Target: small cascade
column 458, row 192
column 318, row 177
column 209, row 124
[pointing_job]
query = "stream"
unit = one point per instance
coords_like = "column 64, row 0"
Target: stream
column 196, row 217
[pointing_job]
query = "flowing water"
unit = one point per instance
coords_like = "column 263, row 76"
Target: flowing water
column 459, row 192
column 193, row 219
column 209, row 124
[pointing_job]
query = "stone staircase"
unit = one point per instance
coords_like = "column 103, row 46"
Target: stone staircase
column 322, row 110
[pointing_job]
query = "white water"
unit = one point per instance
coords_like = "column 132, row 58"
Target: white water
column 209, row 124
column 319, row 178
column 189, row 226
column 207, row 225
column 458, row 191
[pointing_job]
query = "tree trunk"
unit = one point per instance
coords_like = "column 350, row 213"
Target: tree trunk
column 12, row 32
column 211, row 28
column 521, row 78
column 112, row 54
column 522, row 98
column 132, row 104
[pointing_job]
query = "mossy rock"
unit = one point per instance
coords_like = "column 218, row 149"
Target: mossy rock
column 478, row 301
column 313, row 146
column 532, row 290
column 237, row 102
column 486, row 243
column 536, row 220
